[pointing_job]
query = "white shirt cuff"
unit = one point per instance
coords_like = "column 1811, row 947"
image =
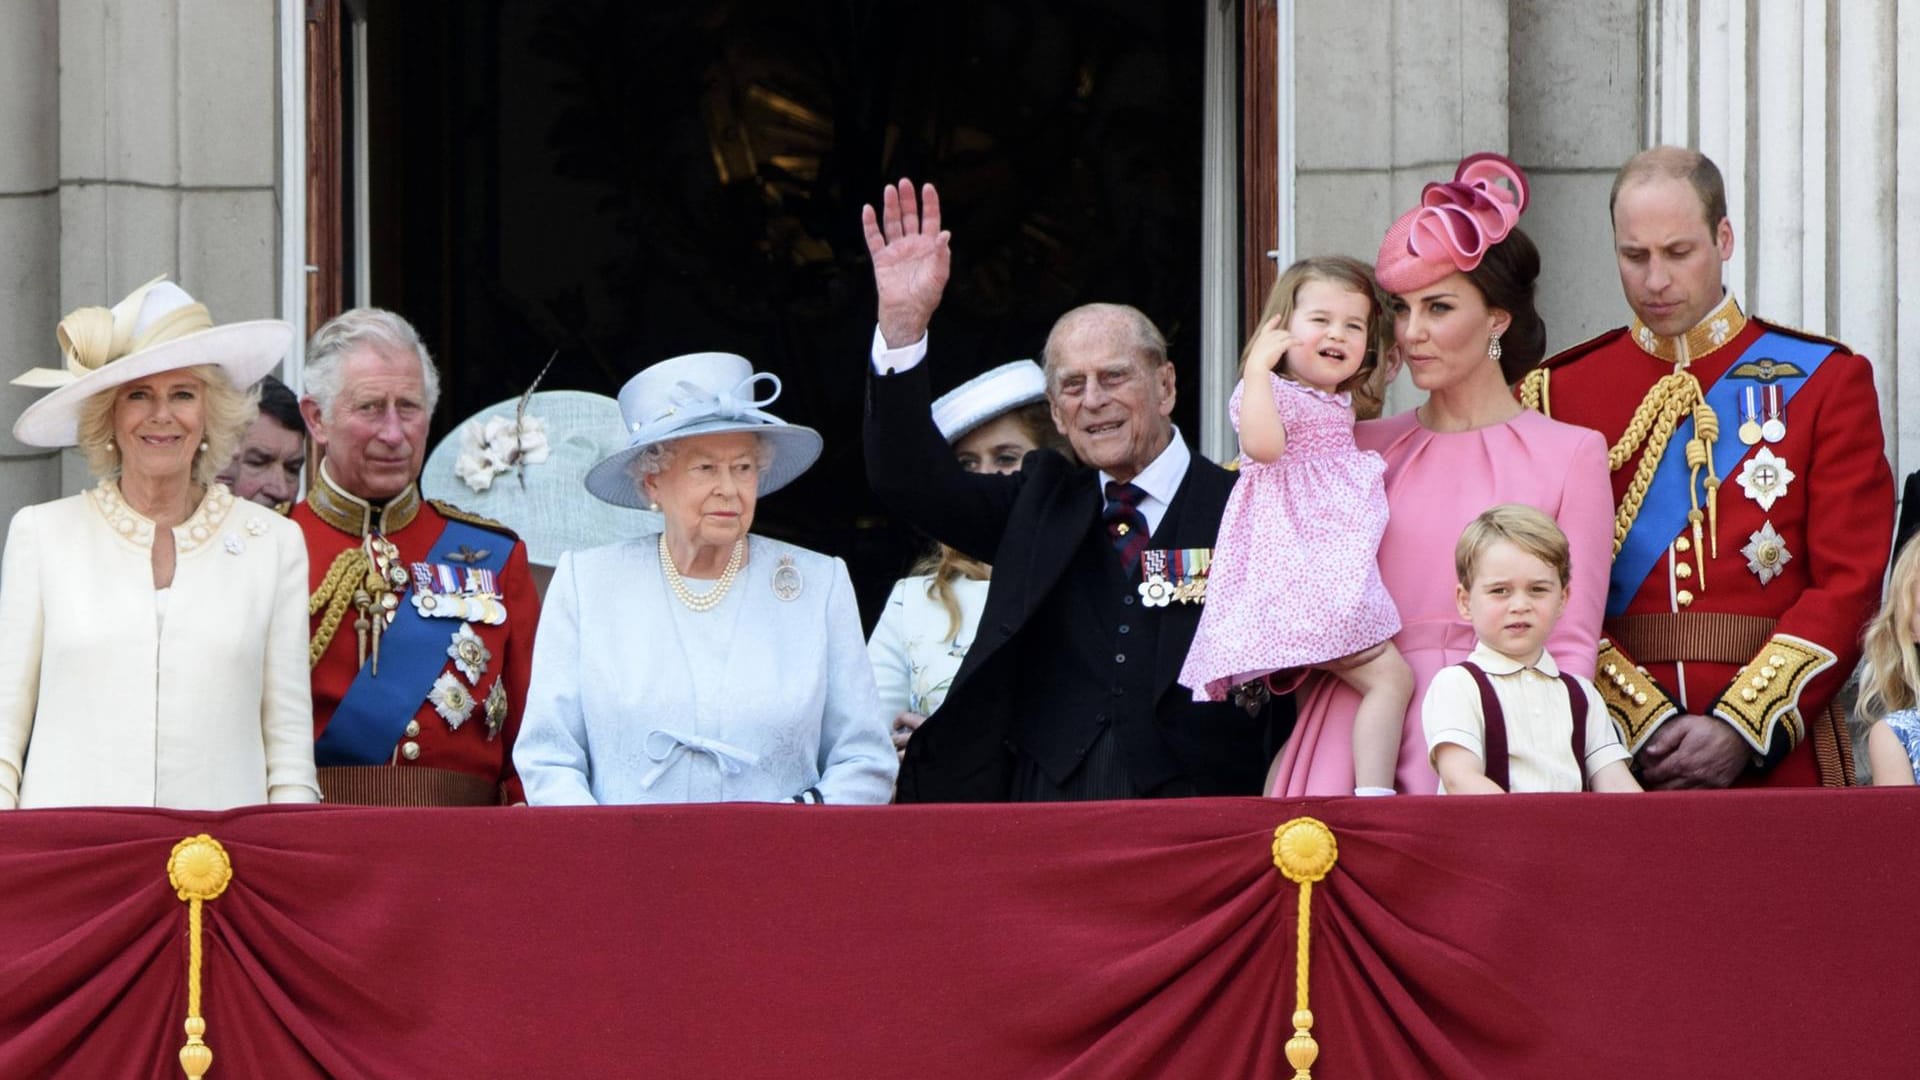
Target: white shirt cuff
column 893, row 361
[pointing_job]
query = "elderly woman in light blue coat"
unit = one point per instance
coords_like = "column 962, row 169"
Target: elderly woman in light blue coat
column 701, row 663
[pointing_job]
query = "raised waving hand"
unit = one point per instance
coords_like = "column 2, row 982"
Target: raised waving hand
column 911, row 259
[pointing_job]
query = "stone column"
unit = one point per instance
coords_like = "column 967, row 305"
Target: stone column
column 29, row 232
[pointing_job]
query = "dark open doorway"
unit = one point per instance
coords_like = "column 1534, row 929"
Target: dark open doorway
column 625, row 181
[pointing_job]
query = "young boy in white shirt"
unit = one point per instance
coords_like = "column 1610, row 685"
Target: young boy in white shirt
column 1507, row 718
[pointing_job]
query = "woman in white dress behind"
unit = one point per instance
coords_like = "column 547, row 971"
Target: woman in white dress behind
column 701, row 663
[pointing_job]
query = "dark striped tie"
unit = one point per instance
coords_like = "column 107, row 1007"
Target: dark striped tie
column 1126, row 525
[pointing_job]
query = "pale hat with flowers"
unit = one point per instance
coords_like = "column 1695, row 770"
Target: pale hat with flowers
column 522, row 464
column 1454, row 226
column 702, row 394
column 155, row 329
column 987, row 395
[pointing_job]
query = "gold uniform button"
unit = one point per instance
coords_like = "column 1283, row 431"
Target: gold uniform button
column 1640, row 698
column 1747, row 695
column 1759, row 683
column 1683, row 597
column 410, row 751
column 413, row 729
column 1768, row 672
column 1683, row 571
column 1683, row 545
column 1613, row 669
column 1779, row 661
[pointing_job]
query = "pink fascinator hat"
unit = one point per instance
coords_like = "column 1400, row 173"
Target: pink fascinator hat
column 1454, row 226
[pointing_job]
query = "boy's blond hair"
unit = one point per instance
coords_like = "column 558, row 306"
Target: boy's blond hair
column 1522, row 526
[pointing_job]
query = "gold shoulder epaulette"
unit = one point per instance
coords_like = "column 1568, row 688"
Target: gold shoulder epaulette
column 1807, row 335
column 1533, row 391
column 1568, row 356
column 449, row 510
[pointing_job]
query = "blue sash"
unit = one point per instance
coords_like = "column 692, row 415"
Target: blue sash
column 1663, row 514
column 413, row 651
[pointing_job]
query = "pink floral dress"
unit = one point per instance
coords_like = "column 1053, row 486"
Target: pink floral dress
column 1294, row 579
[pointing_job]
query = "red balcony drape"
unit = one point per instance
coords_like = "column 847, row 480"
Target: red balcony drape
column 1742, row 934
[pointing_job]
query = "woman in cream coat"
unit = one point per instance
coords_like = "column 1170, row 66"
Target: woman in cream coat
column 153, row 629
column 700, row 663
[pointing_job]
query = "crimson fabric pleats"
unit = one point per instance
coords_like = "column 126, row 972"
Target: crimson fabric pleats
column 1725, row 934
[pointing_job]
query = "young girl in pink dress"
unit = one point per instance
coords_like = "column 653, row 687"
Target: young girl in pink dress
column 1294, row 581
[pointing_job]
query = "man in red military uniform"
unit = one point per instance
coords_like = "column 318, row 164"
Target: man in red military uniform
column 1754, row 502
column 423, row 615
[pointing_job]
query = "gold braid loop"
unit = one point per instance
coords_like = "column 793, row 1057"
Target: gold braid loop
column 1658, row 401
column 334, row 594
column 1658, row 432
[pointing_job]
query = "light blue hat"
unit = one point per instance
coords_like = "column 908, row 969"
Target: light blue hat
column 702, row 394
column 536, row 490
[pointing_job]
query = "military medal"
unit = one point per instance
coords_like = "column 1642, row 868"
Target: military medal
column 1750, row 415
column 1175, row 574
column 786, row 579
column 1764, row 477
column 496, row 710
column 469, row 654
column 1766, row 553
column 1775, row 427
column 450, row 700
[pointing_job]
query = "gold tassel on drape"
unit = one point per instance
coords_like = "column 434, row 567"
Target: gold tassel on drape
column 1304, row 850
column 199, row 871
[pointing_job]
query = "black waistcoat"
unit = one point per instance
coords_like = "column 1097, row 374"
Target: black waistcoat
column 1087, row 665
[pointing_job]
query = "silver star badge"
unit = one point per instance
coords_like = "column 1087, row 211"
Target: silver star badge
column 1764, row 477
column 451, row 700
column 470, row 654
column 1766, row 553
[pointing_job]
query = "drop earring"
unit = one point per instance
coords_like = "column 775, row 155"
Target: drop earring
column 1493, row 348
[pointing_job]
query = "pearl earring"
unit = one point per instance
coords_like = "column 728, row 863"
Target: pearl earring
column 203, row 446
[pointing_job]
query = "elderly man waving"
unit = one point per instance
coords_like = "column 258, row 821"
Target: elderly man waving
column 423, row 615
column 1069, row 690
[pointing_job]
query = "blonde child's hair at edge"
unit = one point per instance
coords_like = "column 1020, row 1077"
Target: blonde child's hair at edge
column 1522, row 526
column 1354, row 275
column 1892, row 673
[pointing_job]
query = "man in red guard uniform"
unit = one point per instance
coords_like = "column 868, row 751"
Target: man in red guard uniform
column 1753, row 502
column 423, row 615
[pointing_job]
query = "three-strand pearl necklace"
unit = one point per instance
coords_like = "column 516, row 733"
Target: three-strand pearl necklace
column 710, row 599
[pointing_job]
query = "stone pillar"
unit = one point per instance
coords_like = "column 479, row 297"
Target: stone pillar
column 29, row 232
column 1800, row 104
column 1390, row 94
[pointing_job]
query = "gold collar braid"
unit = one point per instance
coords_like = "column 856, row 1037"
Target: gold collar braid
column 1721, row 325
column 356, row 516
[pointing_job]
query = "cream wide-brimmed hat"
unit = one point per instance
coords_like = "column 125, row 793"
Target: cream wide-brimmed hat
column 988, row 395
column 702, row 394
column 157, row 328
column 525, row 472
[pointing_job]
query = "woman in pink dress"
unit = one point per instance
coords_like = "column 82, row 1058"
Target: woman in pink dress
column 1462, row 278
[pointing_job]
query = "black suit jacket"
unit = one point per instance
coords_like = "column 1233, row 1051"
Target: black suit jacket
column 1029, row 527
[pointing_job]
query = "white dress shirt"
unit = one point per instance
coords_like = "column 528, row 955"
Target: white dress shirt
column 1539, row 720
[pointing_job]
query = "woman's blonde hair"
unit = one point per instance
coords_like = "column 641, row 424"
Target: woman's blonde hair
column 943, row 565
column 1890, row 681
column 1356, row 276
column 226, row 412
